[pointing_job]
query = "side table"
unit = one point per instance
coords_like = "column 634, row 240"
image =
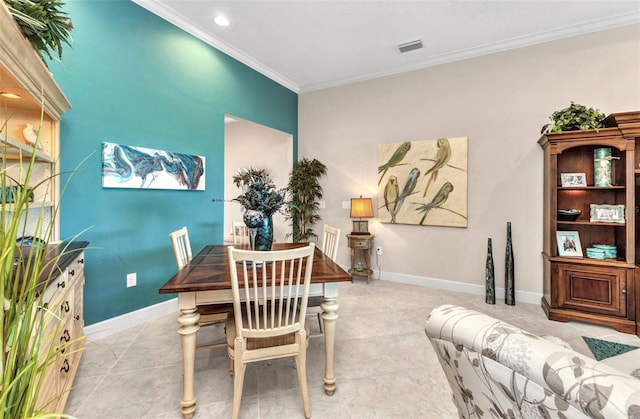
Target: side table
column 361, row 246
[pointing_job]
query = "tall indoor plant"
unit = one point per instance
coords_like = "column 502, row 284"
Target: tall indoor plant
column 306, row 192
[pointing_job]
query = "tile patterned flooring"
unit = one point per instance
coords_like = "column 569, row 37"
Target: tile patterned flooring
column 385, row 365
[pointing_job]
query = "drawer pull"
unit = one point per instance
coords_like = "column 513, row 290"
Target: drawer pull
column 72, row 272
column 65, row 307
column 81, row 261
column 624, row 291
column 62, row 284
column 77, row 317
column 65, row 367
column 66, row 337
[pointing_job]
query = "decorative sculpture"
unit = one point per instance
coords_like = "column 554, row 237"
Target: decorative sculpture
column 490, row 286
column 509, row 295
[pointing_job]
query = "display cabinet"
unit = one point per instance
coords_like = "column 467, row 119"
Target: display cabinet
column 584, row 284
column 30, row 97
column 31, row 104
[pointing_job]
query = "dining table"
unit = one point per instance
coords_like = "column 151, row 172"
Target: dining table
column 206, row 280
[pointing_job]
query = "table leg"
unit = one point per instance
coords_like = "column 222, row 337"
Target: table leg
column 188, row 331
column 329, row 317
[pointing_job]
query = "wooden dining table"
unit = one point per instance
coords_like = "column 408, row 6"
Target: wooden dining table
column 205, row 280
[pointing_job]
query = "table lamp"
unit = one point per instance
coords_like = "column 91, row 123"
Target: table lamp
column 361, row 208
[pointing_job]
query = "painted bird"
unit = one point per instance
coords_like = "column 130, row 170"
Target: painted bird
column 391, row 193
column 442, row 158
column 409, row 186
column 437, row 201
column 395, row 159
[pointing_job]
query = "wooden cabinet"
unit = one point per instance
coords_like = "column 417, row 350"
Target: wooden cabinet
column 580, row 288
column 361, row 246
column 30, row 96
column 64, row 321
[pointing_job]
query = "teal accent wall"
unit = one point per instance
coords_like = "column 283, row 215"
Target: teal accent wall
column 135, row 79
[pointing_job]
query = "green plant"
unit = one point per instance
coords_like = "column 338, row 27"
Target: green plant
column 575, row 117
column 43, row 23
column 259, row 192
column 31, row 330
column 305, row 191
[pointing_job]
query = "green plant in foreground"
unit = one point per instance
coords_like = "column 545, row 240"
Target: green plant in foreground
column 31, row 326
column 259, row 192
column 305, row 191
column 575, row 117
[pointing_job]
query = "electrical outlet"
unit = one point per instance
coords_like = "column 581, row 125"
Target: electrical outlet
column 131, row 280
column 379, row 250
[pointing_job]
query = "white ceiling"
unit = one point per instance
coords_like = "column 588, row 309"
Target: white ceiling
column 309, row 45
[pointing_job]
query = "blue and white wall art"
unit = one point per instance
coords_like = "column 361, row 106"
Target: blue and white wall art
column 125, row 166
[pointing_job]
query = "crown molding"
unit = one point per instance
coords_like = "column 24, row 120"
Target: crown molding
column 180, row 21
column 510, row 44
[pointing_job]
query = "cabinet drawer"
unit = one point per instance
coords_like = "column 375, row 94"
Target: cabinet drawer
column 360, row 243
column 593, row 290
column 76, row 268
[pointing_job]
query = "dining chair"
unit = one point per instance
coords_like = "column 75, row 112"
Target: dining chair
column 330, row 240
column 209, row 314
column 270, row 292
column 240, row 233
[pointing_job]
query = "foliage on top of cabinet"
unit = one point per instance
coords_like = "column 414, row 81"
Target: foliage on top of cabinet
column 574, row 117
column 43, row 22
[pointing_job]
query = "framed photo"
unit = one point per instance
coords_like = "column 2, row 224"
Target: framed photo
column 568, row 244
column 607, row 213
column 571, row 180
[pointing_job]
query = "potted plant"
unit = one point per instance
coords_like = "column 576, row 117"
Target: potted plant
column 306, row 192
column 260, row 199
column 44, row 24
column 574, row 117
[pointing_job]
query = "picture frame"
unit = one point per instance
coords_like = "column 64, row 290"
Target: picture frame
column 573, row 180
column 607, row 213
column 568, row 244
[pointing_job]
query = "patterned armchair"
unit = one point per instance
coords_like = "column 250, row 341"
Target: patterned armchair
column 497, row 370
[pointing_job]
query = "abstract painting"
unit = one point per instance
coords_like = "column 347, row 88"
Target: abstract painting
column 423, row 182
column 125, row 166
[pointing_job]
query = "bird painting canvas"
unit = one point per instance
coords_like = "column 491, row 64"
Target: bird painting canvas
column 423, row 182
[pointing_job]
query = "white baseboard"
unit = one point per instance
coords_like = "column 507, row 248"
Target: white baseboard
column 117, row 324
column 522, row 296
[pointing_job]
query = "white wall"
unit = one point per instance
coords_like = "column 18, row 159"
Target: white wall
column 500, row 102
column 248, row 144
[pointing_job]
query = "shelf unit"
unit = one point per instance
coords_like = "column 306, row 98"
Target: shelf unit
column 41, row 104
column 579, row 288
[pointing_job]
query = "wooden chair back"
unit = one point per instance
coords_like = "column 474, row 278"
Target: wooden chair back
column 181, row 246
column 330, row 241
column 240, row 233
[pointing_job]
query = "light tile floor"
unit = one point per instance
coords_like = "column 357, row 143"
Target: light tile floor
column 385, row 365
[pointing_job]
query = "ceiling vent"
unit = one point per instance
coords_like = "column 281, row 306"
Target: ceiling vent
column 410, row 46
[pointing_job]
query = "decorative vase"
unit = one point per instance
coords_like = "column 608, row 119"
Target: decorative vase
column 509, row 297
column 253, row 220
column 602, row 167
column 264, row 236
column 490, row 286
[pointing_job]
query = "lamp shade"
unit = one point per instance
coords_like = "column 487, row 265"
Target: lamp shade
column 361, row 208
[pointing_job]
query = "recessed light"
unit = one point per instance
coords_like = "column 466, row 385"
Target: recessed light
column 221, row 20
column 10, row 95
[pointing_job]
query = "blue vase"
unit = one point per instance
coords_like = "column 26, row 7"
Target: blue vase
column 264, row 236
